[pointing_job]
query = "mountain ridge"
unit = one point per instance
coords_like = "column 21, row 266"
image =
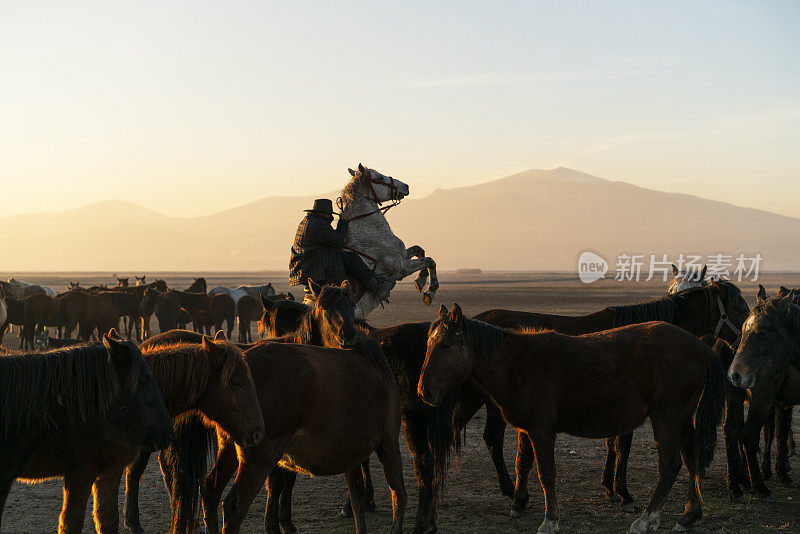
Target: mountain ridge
column 536, row 219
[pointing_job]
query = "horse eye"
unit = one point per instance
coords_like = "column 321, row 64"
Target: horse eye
column 236, row 383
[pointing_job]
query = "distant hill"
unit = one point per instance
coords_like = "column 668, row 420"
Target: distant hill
column 537, row 219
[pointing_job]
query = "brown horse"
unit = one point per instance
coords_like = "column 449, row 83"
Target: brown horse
column 69, row 309
column 316, row 422
column 716, row 309
column 218, row 309
column 248, row 309
column 767, row 363
column 54, row 406
column 210, row 379
column 593, row 386
column 39, row 313
column 100, row 314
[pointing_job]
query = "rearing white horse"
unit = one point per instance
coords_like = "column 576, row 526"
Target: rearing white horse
column 369, row 235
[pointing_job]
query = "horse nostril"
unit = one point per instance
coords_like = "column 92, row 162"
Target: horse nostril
column 257, row 437
column 735, row 378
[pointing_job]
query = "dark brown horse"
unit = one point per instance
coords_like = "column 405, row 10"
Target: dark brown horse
column 717, row 309
column 167, row 308
column 100, row 314
column 767, row 363
column 69, row 309
column 54, row 404
column 211, row 380
column 314, row 422
column 248, row 310
column 430, row 432
column 218, row 309
column 39, row 313
column 594, row 386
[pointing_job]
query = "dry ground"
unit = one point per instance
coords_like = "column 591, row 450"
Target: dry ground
column 472, row 502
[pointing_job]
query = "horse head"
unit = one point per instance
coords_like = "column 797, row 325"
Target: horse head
column 688, row 278
column 376, row 186
column 769, row 340
column 334, row 314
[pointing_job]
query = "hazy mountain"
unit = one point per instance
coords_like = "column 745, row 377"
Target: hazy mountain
column 532, row 220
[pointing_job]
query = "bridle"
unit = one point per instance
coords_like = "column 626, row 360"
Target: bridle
column 395, row 198
column 724, row 320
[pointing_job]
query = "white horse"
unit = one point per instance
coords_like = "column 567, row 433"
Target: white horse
column 3, row 308
column 240, row 291
column 688, row 278
column 370, row 236
column 20, row 289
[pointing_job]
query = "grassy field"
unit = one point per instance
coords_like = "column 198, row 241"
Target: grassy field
column 471, row 501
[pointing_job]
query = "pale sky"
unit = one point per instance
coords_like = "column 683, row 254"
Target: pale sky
column 194, row 107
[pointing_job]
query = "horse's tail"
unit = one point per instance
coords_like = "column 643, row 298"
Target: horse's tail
column 185, row 463
column 710, row 409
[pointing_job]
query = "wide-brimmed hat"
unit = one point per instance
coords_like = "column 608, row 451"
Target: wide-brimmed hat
column 323, row 206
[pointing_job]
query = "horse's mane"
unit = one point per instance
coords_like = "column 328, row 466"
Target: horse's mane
column 40, row 392
column 660, row 309
column 485, row 339
column 351, row 189
column 182, row 370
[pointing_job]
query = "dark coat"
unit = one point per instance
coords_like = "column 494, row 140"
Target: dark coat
column 317, row 251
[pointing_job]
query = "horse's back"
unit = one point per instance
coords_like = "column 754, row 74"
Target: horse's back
column 566, row 324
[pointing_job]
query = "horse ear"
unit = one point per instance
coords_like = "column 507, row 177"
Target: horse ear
column 215, row 352
column 314, row 287
column 114, row 335
column 457, row 314
column 268, row 304
column 289, row 296
column 442, row 311
column 783, row 291
column 761, row 296
column 118, row 353
column 361, row 169
column 346, row 286
column 352, row 172
column 674, row 270
column 703, row 273
column 220, row 336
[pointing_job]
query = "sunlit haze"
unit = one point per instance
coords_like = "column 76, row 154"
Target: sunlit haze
column 194, row 107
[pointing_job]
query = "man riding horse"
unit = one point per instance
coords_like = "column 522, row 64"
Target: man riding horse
column 319, row 254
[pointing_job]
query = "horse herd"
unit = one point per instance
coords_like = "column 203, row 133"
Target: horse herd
column 320, row 391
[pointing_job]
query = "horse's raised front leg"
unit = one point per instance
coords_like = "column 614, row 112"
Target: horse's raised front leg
column 424, row 266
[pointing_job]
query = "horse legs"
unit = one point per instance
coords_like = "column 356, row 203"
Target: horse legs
column 215, row 482
column 415, row 426
column 255, row 465
column 77, row 486
column 668, row 443
column 690, row 451
column 106, row 493
column 355, row 486
column 389, row 456
column 493, row 435
column 783, row 426
column 623, row 451
column 424, row 266
column 543, row 442
column 523, row 465
column 133, row 479
column 759, row 411
column 275, row 482
column 732, row 431
column 769, row 436
column 347, row 510
column 285, row 504
column 607, row 478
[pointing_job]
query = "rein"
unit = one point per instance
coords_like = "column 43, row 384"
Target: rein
column 382, row 209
